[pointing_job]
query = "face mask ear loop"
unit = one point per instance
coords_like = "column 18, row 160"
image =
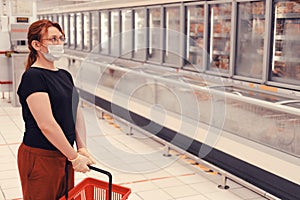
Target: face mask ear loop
column 48, row 51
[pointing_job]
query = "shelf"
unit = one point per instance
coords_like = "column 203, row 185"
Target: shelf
column 221, row 35
column 197, row 20
column 252, row 16
column 253, row 36
column 283, row 37
column 156, row 19
column 194, row 49
column 222, row 18
column 221, row 53
column 286, row 59
column 198, row 35
column 288, row 15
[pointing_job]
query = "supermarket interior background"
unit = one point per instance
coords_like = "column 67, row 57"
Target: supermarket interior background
column 193, row 100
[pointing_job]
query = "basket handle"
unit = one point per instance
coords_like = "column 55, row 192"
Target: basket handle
column 109, row 178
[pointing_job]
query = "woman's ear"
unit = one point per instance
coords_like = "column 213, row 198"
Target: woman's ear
column 36, row 45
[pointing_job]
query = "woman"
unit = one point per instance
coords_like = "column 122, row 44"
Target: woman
column 53, row 120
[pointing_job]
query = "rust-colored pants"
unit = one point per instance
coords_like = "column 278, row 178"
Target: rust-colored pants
column 42, row 173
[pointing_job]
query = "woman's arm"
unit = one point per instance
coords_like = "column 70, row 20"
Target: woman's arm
column 40, row 107
column 80, row 129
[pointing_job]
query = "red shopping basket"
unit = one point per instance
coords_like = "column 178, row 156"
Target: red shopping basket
column 93, row 189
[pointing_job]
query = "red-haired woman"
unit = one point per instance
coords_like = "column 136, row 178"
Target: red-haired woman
column 53, row 120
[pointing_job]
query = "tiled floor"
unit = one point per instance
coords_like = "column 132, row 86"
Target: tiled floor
column 135, row 161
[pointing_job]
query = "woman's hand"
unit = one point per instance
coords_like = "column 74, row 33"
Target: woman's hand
column 84, row 152
column 80, row 163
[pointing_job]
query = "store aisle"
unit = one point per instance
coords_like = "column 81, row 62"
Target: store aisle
column 135, row 161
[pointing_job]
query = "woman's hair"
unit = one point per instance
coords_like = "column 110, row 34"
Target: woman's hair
column 35, row 32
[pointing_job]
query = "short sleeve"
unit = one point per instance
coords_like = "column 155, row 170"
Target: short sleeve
column 32, row 81
column 68, row 74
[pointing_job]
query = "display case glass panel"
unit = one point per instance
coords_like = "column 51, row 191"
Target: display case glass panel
column 86, row 29
column 155, row 25
column 115, row 33
column 127, row 34
column 95, row 30
column 286, row 47
column 78, row 31
column 250, row 39
column 60, row 20
column 104, row 32
column 139, row 50
column 172, row 43
column 195, row 37
column 66, row 28
column 219, row 36
column 72, row 30
column 54, row 18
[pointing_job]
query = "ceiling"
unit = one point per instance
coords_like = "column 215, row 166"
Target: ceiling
column 56, row 5
column 42, row 4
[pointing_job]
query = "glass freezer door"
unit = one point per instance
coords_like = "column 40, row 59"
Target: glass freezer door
column 86, row 31
column 286, row 47
column 72, row 30
column 104, row 32
column 127, row 34
column 220, row 30
column 155, row 49
column 115, row 33
column 195, row 35
column 172, row 44
column 78, row 31
column 95, row 31
column 250, row 39
column 139, row 50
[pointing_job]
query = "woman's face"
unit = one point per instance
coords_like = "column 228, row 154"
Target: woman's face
column 53, row 36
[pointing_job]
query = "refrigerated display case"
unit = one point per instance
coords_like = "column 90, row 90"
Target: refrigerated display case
column 72, row 31
column 286, row 47
column 140, row 39
column 115, row 33
column 66, row 28
column 155, row 25
column 250, row 39
column 219, row 36
column 195, row 37
column 95, row 31
column 104, row 17
column 86, row 31
column 172, row 44
column 79, row 30
column 60, row 20
column 127, row 33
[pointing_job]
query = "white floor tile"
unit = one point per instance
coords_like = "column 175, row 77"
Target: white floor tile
column 1, row 195
column 167, row 182
column 142, row 186
column 10, row 183
column 155, row 194
column 221, row 195
column 180, row 191
column 194, row 197
column 132, row 197
column 205, row 187
column 244, row 193
column 193, row 178
column 13, row 193
column 8, row 174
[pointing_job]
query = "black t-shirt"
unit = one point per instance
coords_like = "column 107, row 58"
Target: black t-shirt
column 63, row 98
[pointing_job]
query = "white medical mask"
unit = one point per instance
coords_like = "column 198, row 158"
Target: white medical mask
column 55, row 52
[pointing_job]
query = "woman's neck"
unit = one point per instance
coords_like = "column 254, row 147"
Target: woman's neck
column 44, row 64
